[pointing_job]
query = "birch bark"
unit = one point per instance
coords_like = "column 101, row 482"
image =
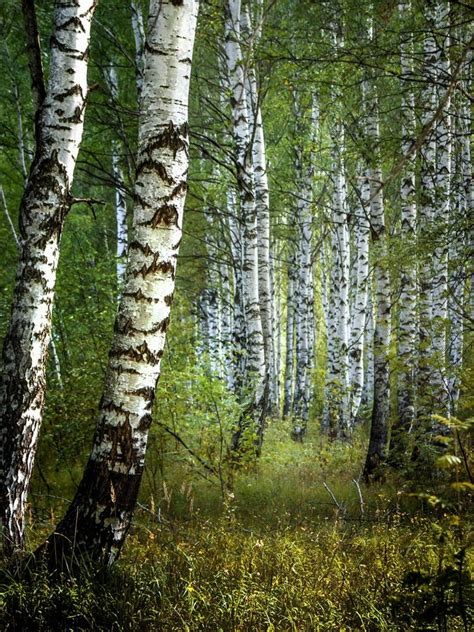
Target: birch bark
column 304, row 314
column 427, row 154
column 441, row 215
column 120, row 203
column 407, row 316
column 45, row 203
column 99, row 516
column 377, row 450
column 337, row 379
column 262, row 205
column 255, row 387
column 359, row 307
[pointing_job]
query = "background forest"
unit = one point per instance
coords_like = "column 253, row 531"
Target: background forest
column 309, row 462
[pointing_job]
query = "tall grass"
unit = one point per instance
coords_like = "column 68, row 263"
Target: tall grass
column 295, row 545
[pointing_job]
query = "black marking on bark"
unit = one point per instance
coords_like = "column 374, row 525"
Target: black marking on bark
column 144, row 248
column 167, row 214
column 75, row 89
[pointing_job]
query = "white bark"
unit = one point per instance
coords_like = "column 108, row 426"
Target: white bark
column 359, row 305
column 337, row 387
column 120, row 203
column 290, row 338
column 441, row 214
column 238, row 329
column 382, row 332
column 407, row 316
column 43, row 209
column 255, row 377
column 139, row 38
column 304, row 311
column 427, row 155
column 100, row 514
column 262, row 204
column 461, row 198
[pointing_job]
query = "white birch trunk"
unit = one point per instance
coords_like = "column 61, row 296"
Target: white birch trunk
column 359, row 306
column 377, row 450
column 262, row 204
column 441, row 215
column 461, row 196
column 304, row 312
column 238, row 329
column 99, row 517
column 139, row 38
column 337, row 378
column 120, row 203
column 44, row 206
column 407, row 316
column 290, row 338
column 427, row 154
column 255, row 378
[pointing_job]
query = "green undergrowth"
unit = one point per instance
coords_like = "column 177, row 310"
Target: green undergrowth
column 295, row 542
column 203, row 575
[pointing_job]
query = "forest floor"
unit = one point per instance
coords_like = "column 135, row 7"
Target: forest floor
column 297, row 546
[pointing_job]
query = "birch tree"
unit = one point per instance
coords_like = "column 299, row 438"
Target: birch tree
column 441, row 213
column 427, row 155
column 120, row 203
column 377, row 450
column 44, row 206
column 360, row 299
column 337, row 379
column 304, row 309
column 99, row 516
column 255, row 386
column 407, row 316
column 262, row 206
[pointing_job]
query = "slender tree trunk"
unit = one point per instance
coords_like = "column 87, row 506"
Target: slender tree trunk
column 99, row 516
column 290, row 338
column 45, row 203
column 427, row 154
column 377, row 451
column 440, row 217
column 304, row 314
column 407, row 316
column 461, row 197
column 337, row 379
column 238, row 330
column 120, row 203
column 262, row 204
column 139, row 38
column 255, row 387
column 359, row 307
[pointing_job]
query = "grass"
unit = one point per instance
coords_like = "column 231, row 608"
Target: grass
column 283, row 553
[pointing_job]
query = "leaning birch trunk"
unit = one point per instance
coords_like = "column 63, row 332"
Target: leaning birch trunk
column 407, row 317
column 255, row 387
column 377, row 449
column 99, row 516
column 44, row 207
